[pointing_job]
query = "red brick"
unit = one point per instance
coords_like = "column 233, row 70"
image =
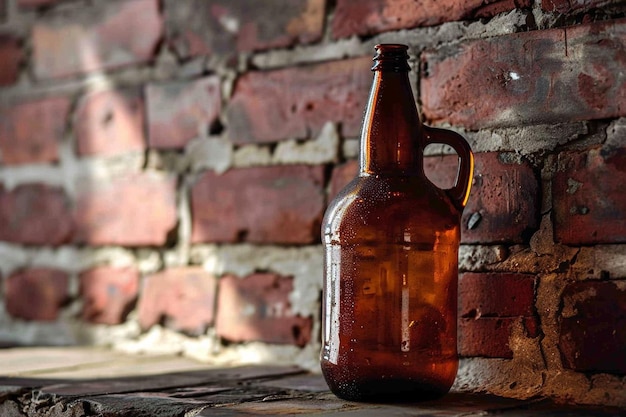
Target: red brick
column 179, row 111
column 110, row 122
column 24, row 142
column 108, row 293
column 569, row 6
column 490, row 9
column 496, row 295
column 489, row 306
column 36, row 294
column 257, row 308
column 366, row 17
column 280, row 204
column 136, row 210
column 35, row 214
column 504, row 200
column 588, row 197
column 296, row 102
column 593, row 326
column 198, row 27
column 11, row 56
column 342, row 175
column 107, row 35
column 182, row 298
column 441, row 169
column 489, row 336
column 547, row 76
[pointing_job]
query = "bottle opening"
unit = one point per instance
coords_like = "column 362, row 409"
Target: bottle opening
column 391, row 57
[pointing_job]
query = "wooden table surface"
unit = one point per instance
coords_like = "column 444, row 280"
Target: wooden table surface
column 81, row 381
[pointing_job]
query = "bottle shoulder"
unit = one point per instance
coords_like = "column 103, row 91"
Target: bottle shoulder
column 377, row 191
column 379, row 207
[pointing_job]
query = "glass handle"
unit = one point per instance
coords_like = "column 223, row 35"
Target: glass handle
column 459, row 193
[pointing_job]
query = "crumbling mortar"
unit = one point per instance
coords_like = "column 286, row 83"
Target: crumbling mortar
column 603, row 11
column 595, row 134
column 435, row 37
column 17, row 21
column 549, row 305
column 182, row 246
column 543, row 325
column 327, row 32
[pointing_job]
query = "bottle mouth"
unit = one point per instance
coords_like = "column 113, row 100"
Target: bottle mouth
column 391, row 57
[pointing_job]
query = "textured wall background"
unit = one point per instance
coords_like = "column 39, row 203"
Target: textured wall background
column 164, row 167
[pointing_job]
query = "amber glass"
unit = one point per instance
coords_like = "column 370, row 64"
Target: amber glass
column 391, row 241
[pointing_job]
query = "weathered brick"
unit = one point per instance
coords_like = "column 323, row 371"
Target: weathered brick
column 35, row 214
column 588, row 197
column 341, row 176
column 280, row 204
column 593, row 326
column 366, row 17
column 441, row 169
column 504, row 199
column 569, row 6
column 489, row 336
column 36, row 294
column 11, row 56
column 257, row 308
column 179, row 111
column 496, row 295
column 182, row 298
column 22, row 141
column 135, row 210
column 489, row 305
column 108, row 293
column 296, row 102
column 110, row 122
column 198, row 27
column 545, row 76
column 104, row 36
column 490, row 9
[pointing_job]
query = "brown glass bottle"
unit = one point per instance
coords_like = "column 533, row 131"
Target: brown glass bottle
column 391, row 242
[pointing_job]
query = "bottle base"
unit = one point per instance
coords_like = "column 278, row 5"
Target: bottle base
column 423, row 380
column 388, row 391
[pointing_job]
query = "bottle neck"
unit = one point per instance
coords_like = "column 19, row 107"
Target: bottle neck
column 390, row 140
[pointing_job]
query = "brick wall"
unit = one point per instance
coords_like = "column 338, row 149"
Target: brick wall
column 164, row 167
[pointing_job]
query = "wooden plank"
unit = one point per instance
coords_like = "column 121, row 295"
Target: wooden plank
column 36, row 360
column 218, row 377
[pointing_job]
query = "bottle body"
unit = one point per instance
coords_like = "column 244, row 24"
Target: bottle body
column 391, row 240
column 389, row 329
